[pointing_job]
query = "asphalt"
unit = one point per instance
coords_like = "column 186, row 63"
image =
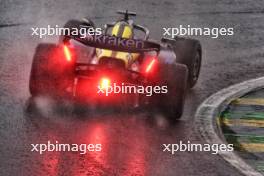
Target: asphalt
column 132, row 142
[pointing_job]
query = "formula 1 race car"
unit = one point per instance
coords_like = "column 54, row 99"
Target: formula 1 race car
column 85, row 68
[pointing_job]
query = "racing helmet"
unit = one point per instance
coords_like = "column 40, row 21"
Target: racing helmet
column 123, row 30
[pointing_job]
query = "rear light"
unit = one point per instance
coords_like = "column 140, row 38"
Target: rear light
column 67, row 53
column 105, row 83
column 150, row 65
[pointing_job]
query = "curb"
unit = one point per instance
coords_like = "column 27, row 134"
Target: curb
column 206, row 120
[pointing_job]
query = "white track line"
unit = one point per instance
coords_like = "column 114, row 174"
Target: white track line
column 209, row 110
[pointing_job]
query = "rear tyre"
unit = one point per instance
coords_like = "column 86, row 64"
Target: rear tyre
column 175, row 77
column 49, row 75
column 189, row 53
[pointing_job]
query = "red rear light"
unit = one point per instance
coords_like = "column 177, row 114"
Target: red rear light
column 150, row 65
column 67, row 53
column 105, row 83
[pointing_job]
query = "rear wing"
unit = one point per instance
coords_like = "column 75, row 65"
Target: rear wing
column 116, row 43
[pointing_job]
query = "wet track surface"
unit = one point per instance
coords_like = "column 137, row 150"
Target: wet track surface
column 131, row 142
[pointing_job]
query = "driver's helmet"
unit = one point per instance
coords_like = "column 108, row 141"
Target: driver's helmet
column 123, row 30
